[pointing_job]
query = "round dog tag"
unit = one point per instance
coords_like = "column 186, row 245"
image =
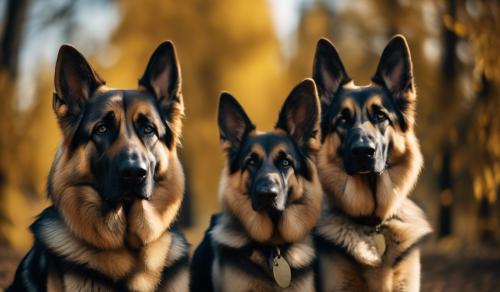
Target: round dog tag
column 379, row 240
column 281, row 272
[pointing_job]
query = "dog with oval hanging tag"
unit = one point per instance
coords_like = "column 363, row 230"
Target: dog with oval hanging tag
column 368, row 237
column 271, row 199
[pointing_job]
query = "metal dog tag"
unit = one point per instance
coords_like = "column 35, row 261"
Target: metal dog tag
column 281, row 271
column 379, row 240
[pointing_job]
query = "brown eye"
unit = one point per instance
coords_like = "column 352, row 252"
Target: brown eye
column 285, row 162
column 148, row 129
column 344, row 118
column 101, row 129
column 381, row 117
column 252, row 160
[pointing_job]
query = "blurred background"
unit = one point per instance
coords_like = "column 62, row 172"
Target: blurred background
column 258, row 50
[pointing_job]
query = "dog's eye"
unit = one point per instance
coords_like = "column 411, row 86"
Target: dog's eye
column 148, row 129
column 101, row 129
column 381, row 117
column 252, row 161
column 285, row 162
column 343, row 119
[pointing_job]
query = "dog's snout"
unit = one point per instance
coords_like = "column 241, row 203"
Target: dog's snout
column 363, row 149
column 133, row 169
column 267, row 190
column 134, row 172
column 265, row 193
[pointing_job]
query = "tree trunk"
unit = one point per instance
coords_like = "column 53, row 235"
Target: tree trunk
column 448, row 67
column 12, row 36
column 10, row 45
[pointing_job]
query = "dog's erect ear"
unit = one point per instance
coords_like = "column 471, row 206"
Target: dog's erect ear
column 394, row 70
column 328, row 71
column 75, row 81
column 395, row 73
column 300, row 115
column 234, row 123
column 163, row 78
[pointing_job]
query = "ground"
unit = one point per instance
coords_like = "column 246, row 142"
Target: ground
column 465, row 271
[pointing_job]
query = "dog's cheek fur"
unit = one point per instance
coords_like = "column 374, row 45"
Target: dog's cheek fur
column 148, row 220
column 235, row 200
column 301, row 214
column 400, row 178
column 81, row 205
column 348, row 193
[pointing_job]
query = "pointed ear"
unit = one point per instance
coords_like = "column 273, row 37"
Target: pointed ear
column 394, row 70
column 300, row 115
column 234, row 123
column 328, row 71
column 162, row 77
column 395, row 73
column 75, row 81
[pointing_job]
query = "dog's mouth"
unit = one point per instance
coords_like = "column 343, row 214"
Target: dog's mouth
column 125, row 199
column 354, row 166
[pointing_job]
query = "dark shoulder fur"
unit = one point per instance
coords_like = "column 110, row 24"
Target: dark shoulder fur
column 31, row 274
column 201, row 264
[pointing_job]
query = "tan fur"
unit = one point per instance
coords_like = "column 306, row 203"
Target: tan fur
column 243, row 239
column 364, row 269
column 229, row 278
column 54, row 282
column 352, row 193
column 371, row 271
column 120, row 238
column 100, row 241
column 141, row 268
column 235, row 280
column 297, row 219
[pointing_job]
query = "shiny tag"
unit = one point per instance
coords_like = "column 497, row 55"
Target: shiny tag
column 281, row 272
column 379, row 240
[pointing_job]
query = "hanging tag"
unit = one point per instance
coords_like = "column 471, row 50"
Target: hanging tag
column 379, row 240
column 281, row 270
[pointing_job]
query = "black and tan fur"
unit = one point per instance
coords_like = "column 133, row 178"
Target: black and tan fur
column 368, row 164
column 116, row 184
column 271, row 198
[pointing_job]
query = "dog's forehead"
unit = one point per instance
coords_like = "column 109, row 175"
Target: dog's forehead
column 120, row 100
column 360, row 97
column 268, row 143
column 362, row 94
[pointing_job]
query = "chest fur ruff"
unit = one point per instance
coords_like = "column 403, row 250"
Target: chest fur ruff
column 78, row 265
column 403, row 232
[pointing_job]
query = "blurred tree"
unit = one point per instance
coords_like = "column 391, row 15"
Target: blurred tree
column 478, row 23
column 448, row 96
column 11, row 40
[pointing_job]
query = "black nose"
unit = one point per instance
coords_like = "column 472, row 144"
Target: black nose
column 363, row 149
column 133, row 172
column 265, row 195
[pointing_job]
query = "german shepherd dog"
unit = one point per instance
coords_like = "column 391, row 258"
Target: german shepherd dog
column 115, row 185
column 368, row 238
column 271, row 198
